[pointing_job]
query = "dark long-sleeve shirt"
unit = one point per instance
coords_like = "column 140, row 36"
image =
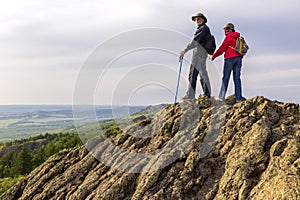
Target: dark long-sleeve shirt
column 201, row 35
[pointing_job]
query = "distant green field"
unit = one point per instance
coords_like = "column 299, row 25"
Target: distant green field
column 17, row 122
column 17, row 126
column 4, row 123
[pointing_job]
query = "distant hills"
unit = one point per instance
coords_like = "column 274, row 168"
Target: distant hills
column 18, row 109
column 22, row 121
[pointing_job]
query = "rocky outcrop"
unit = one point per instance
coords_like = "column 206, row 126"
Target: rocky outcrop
column 203, row 150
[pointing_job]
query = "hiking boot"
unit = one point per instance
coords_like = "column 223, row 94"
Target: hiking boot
column 186, row 97
column 219, row 99
column 204, row 96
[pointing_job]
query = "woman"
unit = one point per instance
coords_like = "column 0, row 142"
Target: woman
column 232, row 62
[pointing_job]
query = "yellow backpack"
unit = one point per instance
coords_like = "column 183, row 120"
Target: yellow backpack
column 241, row 47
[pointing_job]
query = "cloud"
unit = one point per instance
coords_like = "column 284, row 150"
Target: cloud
column 38, row 37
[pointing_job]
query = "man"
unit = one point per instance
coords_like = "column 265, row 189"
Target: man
column 232, row 62
column 198, row 65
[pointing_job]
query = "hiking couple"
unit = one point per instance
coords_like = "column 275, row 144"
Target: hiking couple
column 233, row 60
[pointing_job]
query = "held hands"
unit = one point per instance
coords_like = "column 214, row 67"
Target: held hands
column 183, row 52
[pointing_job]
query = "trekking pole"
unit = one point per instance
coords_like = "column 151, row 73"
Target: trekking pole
column 180, row 60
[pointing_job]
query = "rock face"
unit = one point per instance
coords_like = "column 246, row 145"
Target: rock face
column 245, row 150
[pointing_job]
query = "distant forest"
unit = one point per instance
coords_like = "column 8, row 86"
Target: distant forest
column 16, row 164
column 20, row 157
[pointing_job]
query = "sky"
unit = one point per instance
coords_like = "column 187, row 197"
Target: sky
column 126, row 51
